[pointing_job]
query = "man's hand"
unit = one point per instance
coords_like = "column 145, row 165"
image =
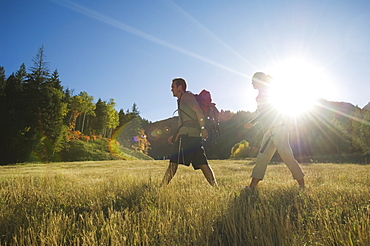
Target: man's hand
column 169, row 140
column 204, row 134
column 248, row 125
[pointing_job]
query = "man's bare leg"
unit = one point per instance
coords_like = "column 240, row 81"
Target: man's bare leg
column 170, row 173
column 208, row 173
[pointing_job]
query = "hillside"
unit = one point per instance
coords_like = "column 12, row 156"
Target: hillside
column 99, row 150
column 325, row 133
column 367, row 107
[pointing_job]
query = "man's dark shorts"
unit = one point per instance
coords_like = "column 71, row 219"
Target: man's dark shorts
column 191, row 151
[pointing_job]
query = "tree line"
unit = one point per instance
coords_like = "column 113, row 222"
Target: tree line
column 39, row 118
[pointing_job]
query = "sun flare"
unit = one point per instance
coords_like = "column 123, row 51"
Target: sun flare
column 296, row 86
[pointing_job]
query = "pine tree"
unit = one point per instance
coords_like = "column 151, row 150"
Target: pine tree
column 106, row 118
column 55, row 112
column 124, row 118
column 2, row 80
column 100, row 119
column 14, row 127
column 121, row 117
column 44, row 109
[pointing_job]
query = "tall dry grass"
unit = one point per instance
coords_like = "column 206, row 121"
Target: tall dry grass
column 121, row 203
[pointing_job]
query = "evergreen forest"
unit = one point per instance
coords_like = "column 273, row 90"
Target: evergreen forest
column 42, row 121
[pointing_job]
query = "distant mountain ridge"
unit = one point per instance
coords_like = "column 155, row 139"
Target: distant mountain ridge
column 314, row 134
column 367, row 107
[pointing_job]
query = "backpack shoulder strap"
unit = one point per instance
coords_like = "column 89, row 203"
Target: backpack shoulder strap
column 179, row 109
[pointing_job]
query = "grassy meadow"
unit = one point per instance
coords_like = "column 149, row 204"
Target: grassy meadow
column 121, row 203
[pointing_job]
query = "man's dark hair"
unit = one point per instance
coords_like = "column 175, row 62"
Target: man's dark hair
column 180, row 81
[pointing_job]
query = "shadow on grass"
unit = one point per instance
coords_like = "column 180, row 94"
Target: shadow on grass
column 136, row 199
column 256, row 218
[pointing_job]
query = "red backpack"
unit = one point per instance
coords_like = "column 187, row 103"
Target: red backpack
column 210, row 112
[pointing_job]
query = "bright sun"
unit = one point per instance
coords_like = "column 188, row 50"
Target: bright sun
column 297, row 85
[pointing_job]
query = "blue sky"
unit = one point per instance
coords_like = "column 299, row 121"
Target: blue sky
column 131, row 50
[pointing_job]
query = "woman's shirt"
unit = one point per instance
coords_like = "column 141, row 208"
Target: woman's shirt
column 268, row 115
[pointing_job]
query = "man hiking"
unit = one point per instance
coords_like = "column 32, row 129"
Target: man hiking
column 187, row 142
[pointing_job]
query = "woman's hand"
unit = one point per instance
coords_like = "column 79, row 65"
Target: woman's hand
column 248, row 125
